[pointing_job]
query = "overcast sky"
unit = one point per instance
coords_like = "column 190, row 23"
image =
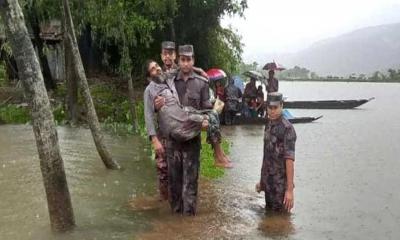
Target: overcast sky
column 284, row 26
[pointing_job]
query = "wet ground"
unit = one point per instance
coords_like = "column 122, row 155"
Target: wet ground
column 347, row 175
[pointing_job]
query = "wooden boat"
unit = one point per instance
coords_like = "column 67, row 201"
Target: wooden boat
column 327, row 104
column 239, row 120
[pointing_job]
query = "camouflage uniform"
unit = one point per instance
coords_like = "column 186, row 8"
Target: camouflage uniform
column 154, row 130
column 184, row 157
column 279, row 145
column 161, row 161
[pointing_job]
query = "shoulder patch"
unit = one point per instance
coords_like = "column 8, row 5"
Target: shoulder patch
column 200, row 77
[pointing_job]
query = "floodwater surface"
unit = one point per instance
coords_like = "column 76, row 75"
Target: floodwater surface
column 346, row 176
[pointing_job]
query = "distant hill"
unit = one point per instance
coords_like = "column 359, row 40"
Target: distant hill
column 362, row 51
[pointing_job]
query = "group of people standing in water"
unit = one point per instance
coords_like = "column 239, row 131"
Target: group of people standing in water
column 178, row 107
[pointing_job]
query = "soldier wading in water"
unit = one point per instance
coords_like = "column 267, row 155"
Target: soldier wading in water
column 278, row 161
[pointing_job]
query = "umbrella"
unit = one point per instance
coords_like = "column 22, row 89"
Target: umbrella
column 254, row 74
column 273, row 66
column 238, row 82
column 215, row 74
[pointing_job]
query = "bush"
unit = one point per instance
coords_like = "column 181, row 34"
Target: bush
column 13, row 114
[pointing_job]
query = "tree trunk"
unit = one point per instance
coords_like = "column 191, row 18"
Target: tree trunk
column 70, row 79
column 80, row 74
column 51, row 163
column 38, row 41
column 135, row 123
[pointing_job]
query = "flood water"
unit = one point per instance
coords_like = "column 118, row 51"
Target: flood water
column 346, row 176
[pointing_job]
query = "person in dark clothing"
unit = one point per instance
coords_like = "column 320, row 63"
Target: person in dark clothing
column 260, row 102
column 277, row 170
column 232, row 96
column 272, row 83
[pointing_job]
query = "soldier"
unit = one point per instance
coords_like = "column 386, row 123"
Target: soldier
column 184, row 157
column 273, row 84
column 168, row 56
column 278, row 161
column 156, row 137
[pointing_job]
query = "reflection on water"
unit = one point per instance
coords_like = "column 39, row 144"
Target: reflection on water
column 276, row 225
column 346, row 180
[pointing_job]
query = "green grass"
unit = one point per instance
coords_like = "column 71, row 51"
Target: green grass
column 207, row 168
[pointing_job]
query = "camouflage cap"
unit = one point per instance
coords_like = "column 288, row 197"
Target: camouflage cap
column 168, row 45
column 274, row 99
column 186, row 50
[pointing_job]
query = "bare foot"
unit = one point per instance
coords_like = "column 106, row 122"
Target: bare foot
column 224, row 165
column 226, row 158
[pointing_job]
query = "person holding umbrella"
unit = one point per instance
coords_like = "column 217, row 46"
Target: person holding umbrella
column 272, row 83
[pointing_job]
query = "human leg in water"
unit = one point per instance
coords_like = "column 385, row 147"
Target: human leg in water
column 214, row 137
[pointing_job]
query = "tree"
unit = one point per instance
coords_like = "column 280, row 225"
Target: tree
column 51, row 163
column 206, row 32
column 34, row 21
column 71, row 99
column 392, row 74
column 313, row 75
column 80, row 74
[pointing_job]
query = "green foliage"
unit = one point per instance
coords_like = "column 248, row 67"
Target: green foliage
column 127, row 32
column 244, row 67
column 12, row 114
column 128, row 26
column 198, row 23
column 295, row 73
column 226, row 48
column 59, row 114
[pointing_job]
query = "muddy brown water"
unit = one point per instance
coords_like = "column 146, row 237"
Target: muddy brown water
column 347, row 176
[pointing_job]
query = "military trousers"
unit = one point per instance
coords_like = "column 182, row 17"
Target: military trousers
column 275, row 193
column 162, row 170
column 183, row 172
